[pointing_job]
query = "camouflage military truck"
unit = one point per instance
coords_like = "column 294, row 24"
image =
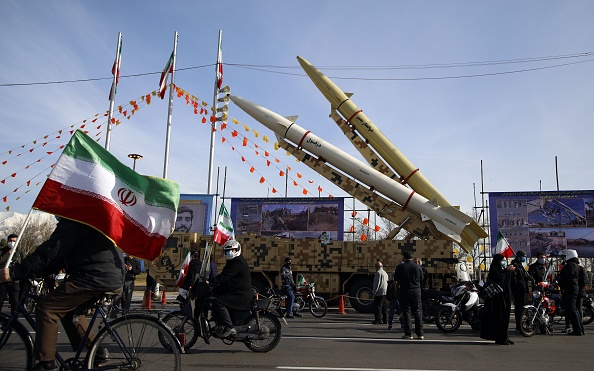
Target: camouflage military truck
column 341, row 267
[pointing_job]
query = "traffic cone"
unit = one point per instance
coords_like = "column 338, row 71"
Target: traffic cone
column 341, row 305
column 147, row 300
column 163, row 298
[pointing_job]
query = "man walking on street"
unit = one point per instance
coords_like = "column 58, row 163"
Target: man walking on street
column 410, row 276
column 380, row 287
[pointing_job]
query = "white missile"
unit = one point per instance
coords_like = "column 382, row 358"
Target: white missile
column 447, row 219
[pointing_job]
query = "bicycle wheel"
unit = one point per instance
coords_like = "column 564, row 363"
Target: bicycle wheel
column 16, row 346
column 141, row 345
column 447, row 320
column 269, row 334
column 184, row 327
column 318, row 307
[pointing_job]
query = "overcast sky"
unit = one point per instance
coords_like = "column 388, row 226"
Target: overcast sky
column 506, row 82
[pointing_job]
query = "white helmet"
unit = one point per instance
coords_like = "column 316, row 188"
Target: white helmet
column 570, row 254
column 228, row 248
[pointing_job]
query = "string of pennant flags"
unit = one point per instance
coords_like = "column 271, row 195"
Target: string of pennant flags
column 93, row 126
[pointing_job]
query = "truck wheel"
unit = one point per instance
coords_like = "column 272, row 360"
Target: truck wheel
column 361, row 296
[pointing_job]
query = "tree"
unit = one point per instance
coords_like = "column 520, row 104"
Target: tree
column 39, row 229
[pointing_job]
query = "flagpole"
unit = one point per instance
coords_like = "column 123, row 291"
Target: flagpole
column 214, row 122
column 169, row 111
column 9, row 260
column 116, row 73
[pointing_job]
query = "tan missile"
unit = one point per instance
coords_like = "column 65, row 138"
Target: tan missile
column 409, row 173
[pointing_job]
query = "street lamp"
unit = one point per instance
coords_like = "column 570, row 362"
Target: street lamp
column 134, row 156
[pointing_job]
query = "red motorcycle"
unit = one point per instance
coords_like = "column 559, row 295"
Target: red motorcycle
column 306, row 294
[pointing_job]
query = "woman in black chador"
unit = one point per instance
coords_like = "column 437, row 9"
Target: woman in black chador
column 497, row 309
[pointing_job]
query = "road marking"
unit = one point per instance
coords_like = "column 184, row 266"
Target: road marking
column 349, row 369
column 465, row 340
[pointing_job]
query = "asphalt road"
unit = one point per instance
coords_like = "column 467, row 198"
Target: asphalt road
column 350, row 342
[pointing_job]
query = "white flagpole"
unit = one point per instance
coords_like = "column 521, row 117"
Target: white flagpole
column 113, row 90
column 214, row 123
column 16, row 244
column 168, row 135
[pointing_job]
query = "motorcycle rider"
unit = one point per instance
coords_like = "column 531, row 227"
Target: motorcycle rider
column 288, row 288
column 519, row 285
column 538, row 269
column 232, row 288
column 569, row 283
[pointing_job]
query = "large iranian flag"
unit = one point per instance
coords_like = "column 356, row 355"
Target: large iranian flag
column 224, row 231
column 503, row 247
column 88, row 184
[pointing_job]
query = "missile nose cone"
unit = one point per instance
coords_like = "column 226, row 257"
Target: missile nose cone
column 266, row 117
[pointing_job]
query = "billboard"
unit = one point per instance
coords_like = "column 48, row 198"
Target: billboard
column 289, row 217
column 544, row 221
column 194, row 213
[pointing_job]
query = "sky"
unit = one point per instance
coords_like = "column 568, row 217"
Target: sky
column 453, row 85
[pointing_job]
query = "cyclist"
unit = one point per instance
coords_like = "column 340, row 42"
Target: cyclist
column 232, row 288
column 93, row 265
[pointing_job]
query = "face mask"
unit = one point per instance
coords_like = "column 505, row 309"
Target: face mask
column 11, row 244
column 503, row 264
column 523, row 260
column 542, row 261
column 228, row 254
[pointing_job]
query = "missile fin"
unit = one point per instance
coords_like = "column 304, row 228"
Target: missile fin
column 293, row 119
column 434, row 202
column 424, row 217
column 349, row 95
column 448, row 232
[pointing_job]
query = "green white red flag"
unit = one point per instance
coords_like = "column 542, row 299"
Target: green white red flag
column 184, row 268
column 165, row 75
column 503, row 247
column 224, row 231
column 89, row 185
column 115, row 70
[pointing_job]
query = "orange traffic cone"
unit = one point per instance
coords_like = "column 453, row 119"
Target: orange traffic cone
column 341, row 305
column 147, row 300
column 163, row 298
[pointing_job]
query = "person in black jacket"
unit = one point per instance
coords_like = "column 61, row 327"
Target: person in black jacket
column 132, row 269
column 93, row 265
column 569, row 282
column 495, row 319
column 232, row 288
column 519, row 285
column 538, row 269
column 10, row 288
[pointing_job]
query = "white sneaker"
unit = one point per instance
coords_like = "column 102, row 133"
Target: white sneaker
column 420, row 337
column 407, row 337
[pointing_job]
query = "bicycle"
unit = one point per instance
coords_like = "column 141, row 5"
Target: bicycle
column 130, row 342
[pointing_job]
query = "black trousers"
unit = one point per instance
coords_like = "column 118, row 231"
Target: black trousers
column 380, row 308
column 410, row 302
column 220, row 313
column 519, row 302
column 12, row 289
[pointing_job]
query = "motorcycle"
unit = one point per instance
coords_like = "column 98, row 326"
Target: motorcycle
column 258, row 328
column 431, row 301
column 466, row 306
column 557, row 312
column 306, row 294
column 539, row 314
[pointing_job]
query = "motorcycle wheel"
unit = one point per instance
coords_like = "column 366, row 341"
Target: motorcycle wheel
column 587, row 314
column 447, row 320
column 182, row 324
column 269, row 323
column 529, row 323
column 318, row 307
